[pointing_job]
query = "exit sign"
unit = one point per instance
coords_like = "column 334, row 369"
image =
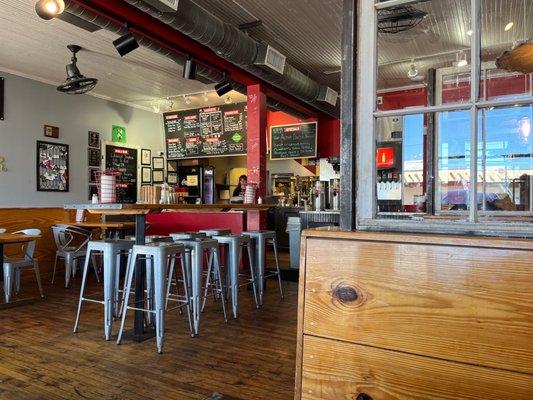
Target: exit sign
column 164, row 5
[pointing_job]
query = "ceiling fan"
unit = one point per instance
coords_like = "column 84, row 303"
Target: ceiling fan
column 76, row 83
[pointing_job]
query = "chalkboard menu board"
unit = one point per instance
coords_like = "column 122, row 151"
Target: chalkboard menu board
column 206, row 132
column 123, row 159
column 293, row 141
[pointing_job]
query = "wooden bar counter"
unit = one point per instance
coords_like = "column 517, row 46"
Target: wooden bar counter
column 387, row 316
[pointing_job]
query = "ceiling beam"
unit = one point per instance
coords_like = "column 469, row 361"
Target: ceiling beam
column 144, row 25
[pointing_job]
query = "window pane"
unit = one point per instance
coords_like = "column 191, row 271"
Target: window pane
column 452, row 186
column 416, row 40
column 506, row 158
column 400, row 155
column 504, row 25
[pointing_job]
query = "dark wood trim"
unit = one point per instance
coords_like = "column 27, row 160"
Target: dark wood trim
column 1, row 98
column 348, row 115
column 430, row 144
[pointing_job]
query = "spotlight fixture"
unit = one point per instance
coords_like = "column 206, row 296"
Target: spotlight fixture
column 509, row 26
column 76, row 83
column 187, row 99
column 189, row 69
column 126, row 43
column 223, row 87
column 48, row 9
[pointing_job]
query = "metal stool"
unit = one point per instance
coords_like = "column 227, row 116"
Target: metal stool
column 215, row 232
column 111, row 250
column 187, row 235
column 260, row 240
column 235, row 244
column 198, row 248
column 158, row 254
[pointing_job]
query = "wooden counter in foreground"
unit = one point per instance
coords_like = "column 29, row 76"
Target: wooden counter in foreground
column 387, row 316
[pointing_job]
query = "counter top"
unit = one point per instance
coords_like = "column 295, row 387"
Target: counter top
column 145, row 208
column 414, row 238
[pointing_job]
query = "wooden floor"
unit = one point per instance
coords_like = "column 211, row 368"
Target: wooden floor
column 250, row 358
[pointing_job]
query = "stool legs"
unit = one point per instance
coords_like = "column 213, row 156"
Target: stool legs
column 260, row 268
column 275, row 245
column 252, row 273
column 82, row 291
column 159, row 278
column 234, row 251
column 109, row 291
column 127, row 289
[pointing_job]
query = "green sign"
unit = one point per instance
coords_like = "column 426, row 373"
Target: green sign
column 118, row 134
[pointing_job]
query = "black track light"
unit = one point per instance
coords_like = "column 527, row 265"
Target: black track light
column 223, row 87
column 189, row 69
column 48, row 9
column 126, row 43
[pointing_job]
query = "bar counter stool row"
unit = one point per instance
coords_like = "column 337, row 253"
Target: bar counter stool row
column 191, row 249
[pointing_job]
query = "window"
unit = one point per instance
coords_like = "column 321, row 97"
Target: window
column 452, row 131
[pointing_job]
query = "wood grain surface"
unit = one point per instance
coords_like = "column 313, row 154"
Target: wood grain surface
column 464, row 304
column 334, row 370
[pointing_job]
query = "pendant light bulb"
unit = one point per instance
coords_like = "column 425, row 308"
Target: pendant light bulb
column 48, row 9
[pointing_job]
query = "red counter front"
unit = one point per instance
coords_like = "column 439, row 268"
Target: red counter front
column 178, row 221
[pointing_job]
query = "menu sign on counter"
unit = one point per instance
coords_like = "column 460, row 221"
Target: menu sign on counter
column 123, row 159
column 206, row 132
column 293, row 141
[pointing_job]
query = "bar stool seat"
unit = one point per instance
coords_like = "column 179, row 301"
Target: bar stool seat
column 235, row 244
column 111, row 250
column 187, row 235
column 215, row 231
column 159, row 254
column 260, row 239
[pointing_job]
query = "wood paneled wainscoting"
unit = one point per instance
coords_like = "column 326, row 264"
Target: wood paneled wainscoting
column 14, row 219
column 386, row 316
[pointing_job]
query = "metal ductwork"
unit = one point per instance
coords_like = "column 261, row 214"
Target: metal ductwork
column 204, row 74
column 238, row 48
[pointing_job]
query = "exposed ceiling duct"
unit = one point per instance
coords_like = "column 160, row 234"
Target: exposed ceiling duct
column 237, row 47
column 203, row 74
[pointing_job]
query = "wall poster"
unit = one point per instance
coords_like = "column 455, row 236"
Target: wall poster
column 52, row 167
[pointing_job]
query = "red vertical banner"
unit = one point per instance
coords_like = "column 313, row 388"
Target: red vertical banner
column 256, row 144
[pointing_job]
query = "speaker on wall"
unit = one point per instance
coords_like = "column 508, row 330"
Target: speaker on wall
column 1, row 98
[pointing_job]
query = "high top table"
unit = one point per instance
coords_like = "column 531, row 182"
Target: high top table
column 13, row 238
column 139, row 211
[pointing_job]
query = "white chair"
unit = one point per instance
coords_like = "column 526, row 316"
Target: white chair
column 13, row 266
column 71, row 245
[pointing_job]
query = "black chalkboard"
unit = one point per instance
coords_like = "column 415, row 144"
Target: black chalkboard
column 293, row 141
column 123, row 159
column 206, row 132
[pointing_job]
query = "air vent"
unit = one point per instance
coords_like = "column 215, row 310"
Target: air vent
column 271, row 58
column 79, row 22
column 328, row 95
column 170, row 6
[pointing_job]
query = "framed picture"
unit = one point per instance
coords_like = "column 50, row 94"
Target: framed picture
column 93, row 172
column 52, row 167
column 172, row 166
column 172, row 178
column 146, row 156
column 158, row 163
column 157, row 176
column 94, row 139
column 146, row 175
column 93, row 157
column 93, row 189
column 51, row 131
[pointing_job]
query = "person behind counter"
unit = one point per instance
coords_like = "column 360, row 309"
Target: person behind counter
column 241, row 188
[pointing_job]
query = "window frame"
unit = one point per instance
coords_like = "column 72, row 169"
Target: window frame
column 367, row 217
